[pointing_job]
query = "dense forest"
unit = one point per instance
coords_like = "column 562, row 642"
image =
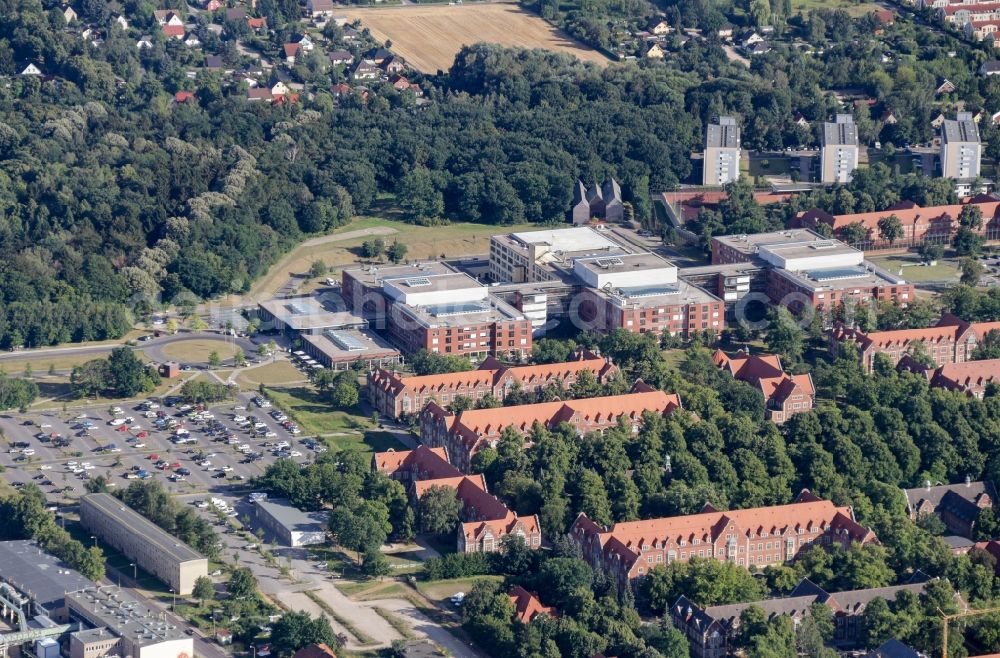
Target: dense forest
column 113, row 198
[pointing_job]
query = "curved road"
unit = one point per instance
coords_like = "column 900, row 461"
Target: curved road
column 152, row 348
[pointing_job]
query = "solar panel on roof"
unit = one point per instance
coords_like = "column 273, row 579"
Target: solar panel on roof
column 837, row 273
column 648, row 291
column 609, row 262
column 417, row 282
column 444, row 310
column 296, row 309
column 346, row 341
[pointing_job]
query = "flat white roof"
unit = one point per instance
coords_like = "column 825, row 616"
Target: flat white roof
column 580, row 238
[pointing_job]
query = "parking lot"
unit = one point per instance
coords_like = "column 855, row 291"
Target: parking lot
column 189, row 452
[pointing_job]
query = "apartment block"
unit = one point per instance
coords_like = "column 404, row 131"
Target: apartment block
column 951, row 340
column 784, row 394
column 721, row 163
column 839, row 150
column 153, row 549
column 961, row 151
column 752, row 537
column 395, row 395
column 485, row 519
column 466, row 433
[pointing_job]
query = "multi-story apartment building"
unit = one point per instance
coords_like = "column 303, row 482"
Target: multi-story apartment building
column 839, row 150
column 961, row 151
column 960, row 14
column 757, row 537
column 722, row 152
column 431, row 306
column 935, row 223
column 710, row 630
column 957, row 505
column 395, row 395
column 951, row 340
column 153, row 549
column 485, row 519
column 466, row 433
column 784, row 394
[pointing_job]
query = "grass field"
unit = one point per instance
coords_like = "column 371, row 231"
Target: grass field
column 197, row 351
column 422, row 242
column 852, row 7
column 279, row 373
column 428, row 37
column 945, row 270
column 440, row 590
column 340, row 429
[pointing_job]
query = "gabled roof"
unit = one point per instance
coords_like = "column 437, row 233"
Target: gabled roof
column 315, row 651
column 907, row 216
column 291, row 49
column 948, row 328
column 967, row 375
column 626, row 539
column 527, row 606
column 958, row 499
column 432, row 463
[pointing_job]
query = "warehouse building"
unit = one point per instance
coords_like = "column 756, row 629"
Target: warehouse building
column 290, row 525
column 153, row 549
column 25, row 567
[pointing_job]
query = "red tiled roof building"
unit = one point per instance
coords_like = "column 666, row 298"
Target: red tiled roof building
column 395, row 395
column 951, row 340
column 751, row 537
column 486, row 520
column 465, row 434
column 784, row 394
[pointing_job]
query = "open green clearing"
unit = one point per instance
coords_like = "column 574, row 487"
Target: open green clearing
column 913, row 271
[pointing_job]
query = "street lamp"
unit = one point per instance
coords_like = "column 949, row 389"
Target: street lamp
column 214, row 616
column 93, row 539
column 135, row 575
column 253, row 647
column 173, row 603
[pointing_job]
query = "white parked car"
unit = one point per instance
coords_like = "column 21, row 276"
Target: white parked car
column 45, row 467
column 116, row 422
column 295, row 453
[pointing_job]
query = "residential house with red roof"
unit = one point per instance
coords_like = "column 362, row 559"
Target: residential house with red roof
column 960, row 14
column 951, row 340
column 315, row 651
column 486, row 520
column 395, row 395
column 466, row 433
column 758, row 537
column 527, row 606
column 292, row 50
column 784, row 394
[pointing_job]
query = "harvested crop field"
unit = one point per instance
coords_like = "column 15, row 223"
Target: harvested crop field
column 429, row 36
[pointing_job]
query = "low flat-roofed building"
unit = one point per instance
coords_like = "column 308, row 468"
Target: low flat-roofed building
column 308, row 315
column 42, row 576
column 140, row 631
column 747, row 247
column 292, row 526
column 149, row 546
column 529, row 256
column 624, row 270
column 339, row 349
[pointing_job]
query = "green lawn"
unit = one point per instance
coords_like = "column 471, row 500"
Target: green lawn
column 338, row 429
column 440, row 590
column 852, row 7
column 913, row 271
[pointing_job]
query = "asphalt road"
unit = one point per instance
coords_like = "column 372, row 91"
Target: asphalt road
column 153, row 348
